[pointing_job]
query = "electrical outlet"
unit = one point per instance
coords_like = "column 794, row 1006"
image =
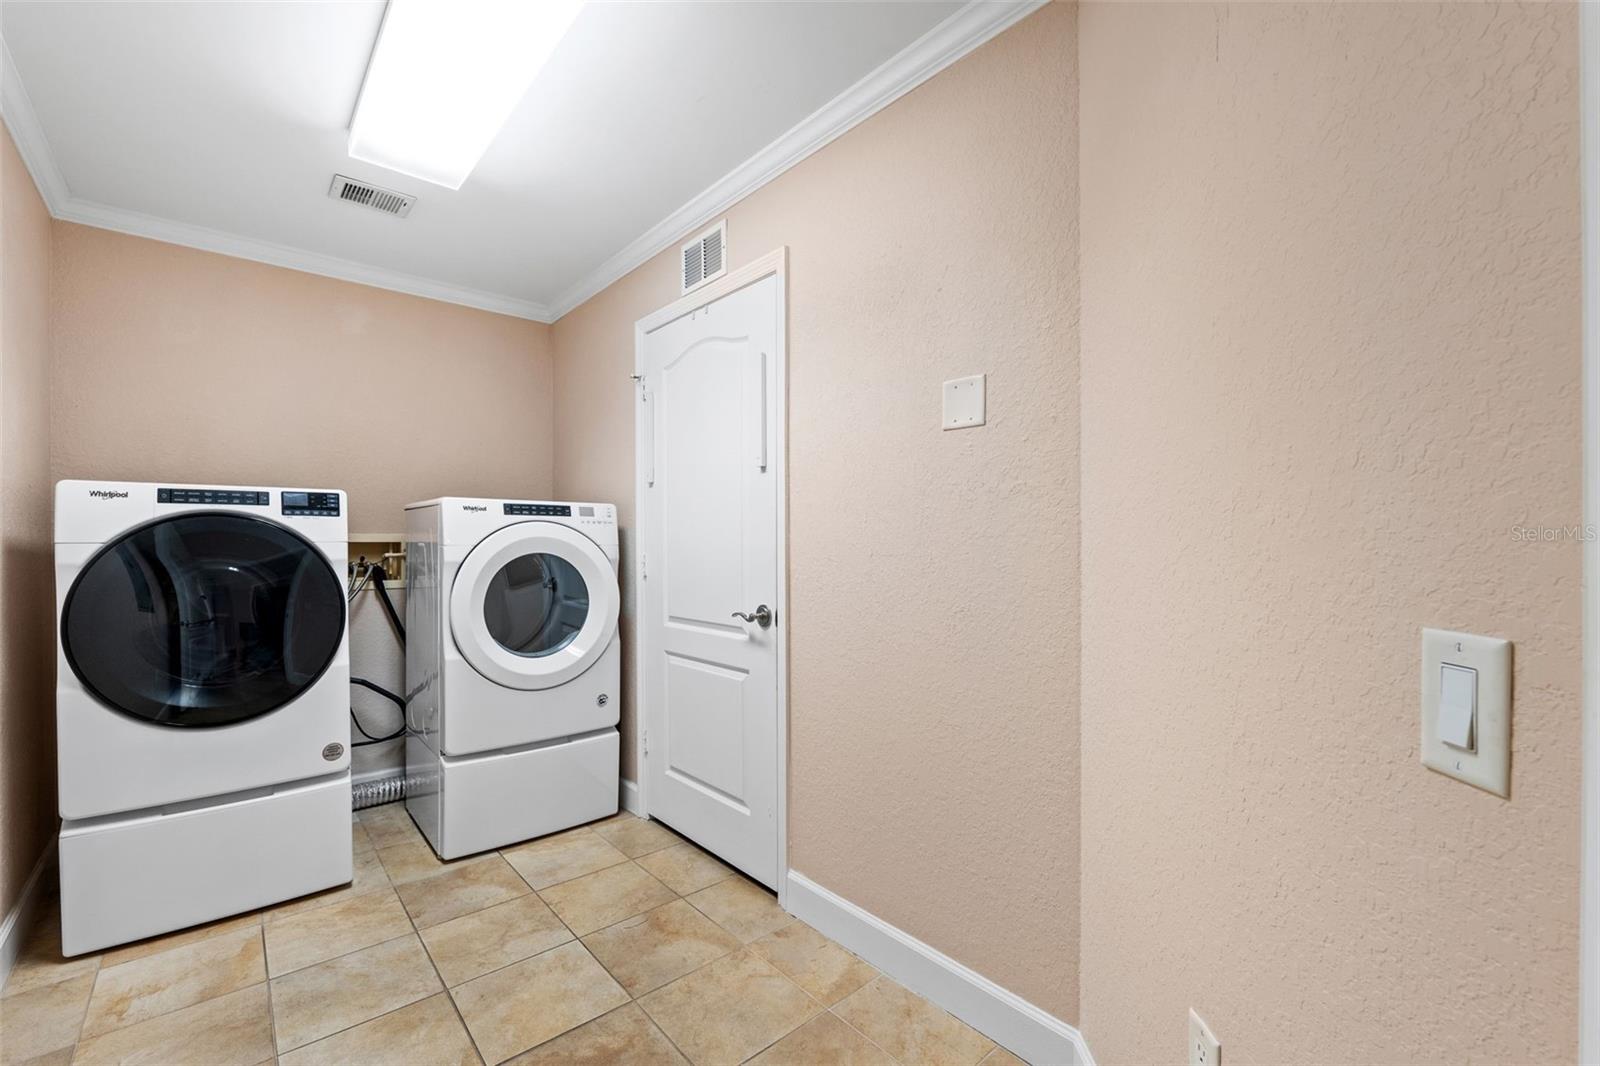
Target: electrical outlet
column 1203, row 1047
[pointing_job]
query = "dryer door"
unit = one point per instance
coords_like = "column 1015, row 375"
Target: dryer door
column 534, row 605
column 203, row 619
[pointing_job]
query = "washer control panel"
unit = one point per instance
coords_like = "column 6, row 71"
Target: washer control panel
column 232, row 497
column 555, row 510
column 311, row 504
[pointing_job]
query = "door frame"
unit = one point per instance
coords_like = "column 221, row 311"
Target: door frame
column 773, row 264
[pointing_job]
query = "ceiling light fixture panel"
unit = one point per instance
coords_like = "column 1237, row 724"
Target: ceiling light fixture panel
column 445, row 76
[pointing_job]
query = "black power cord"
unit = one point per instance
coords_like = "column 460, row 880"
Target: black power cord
column 380, row 690
column 377, row 576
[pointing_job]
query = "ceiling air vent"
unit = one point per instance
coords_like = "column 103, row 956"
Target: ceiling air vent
column 359, row 192
column 706, row 257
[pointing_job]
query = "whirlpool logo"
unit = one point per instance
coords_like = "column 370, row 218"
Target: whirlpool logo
column 465, row 507
column 107, row 494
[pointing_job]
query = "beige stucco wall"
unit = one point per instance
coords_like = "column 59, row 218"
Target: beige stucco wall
column 178, row 365
column 1330, row 360
column 933, row 586
column 27, row 655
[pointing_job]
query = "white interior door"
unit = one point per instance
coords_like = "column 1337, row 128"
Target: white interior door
column 710, row 492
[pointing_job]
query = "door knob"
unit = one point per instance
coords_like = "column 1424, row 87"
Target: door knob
column 762, row 616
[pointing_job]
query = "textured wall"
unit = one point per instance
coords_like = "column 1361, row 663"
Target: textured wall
column 27, row 655
column 1330, row 358
column 174, row 364
column 933, row 583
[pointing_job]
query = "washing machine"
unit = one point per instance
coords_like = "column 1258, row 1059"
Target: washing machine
column 513, row 669
column 202, row 703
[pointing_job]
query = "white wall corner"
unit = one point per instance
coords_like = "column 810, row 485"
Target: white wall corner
column 630, row 798
column 1003, row 1016
column 973, row 25
column 19, row 921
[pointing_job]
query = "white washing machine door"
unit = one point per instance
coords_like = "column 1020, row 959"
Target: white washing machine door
column 534, row 605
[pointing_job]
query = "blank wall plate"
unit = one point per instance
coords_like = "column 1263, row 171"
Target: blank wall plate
column 964, row 402
column 1466, row 708
column 1204, row 1049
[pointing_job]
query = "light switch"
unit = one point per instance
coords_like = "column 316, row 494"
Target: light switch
column 1458, row 705
column 964, row 402
column 1466, row 708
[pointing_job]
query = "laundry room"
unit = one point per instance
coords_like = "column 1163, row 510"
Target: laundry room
column 768, row 531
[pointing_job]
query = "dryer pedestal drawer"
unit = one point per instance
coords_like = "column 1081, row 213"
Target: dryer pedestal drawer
column 489, row 801
column 126, row 877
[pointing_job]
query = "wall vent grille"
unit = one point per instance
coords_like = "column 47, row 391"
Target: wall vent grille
column 706, row 256
column 359, row 192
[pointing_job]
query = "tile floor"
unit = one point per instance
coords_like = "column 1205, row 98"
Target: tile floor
column 617, row 942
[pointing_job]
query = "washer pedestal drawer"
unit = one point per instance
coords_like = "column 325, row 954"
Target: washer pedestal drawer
column 489, row 801
column 126, row 877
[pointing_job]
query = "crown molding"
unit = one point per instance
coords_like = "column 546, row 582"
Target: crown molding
column 102, row 216
column 971, row 26
column 28, row 135
column 17, row 110
column 950, row 40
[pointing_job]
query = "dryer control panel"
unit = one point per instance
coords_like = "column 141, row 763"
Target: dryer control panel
column 311, row 504
column 555, row 510
column 234, row 497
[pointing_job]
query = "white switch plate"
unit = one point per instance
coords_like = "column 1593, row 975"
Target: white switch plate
column 1204, row 1050
column 1488, row 764
column 964, row 402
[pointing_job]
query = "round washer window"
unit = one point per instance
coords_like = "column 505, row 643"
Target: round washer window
column 535, row 604
column 203, row 620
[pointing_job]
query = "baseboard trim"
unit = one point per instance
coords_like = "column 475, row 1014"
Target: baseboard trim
column 14, row 930
column 1003, row 1016
column 630, row 798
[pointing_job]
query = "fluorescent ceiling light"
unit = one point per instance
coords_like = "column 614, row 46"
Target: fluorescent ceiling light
column 444, row 78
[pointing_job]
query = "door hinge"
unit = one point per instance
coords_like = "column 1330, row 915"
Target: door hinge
column 646, row 741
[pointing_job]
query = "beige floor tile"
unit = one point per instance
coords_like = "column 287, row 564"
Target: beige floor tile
column 167, row 941
column 414, row 860
column 634, row 836
column 154, row 985
column 368, row 876
column 824, row 1039
column 531, row 1001
column 472, row 945
column 43, row 1019
column 315, row 936
column 1001, row 1057
column 661, row 945
column 231, row 1030
column 40, row 961
column 58, row 1057
column 625, row 1036
column 461, row 890
column 605, row 897
column 550, row 861
column 389, row 825
column 425, row 1032
column 320, row 1000
column 910, row 1028
column 815, row 963
column 360, row 840
column 746, row 911
column 729, row 1010
column 684, row 868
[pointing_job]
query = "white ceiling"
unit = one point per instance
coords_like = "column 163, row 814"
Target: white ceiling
column 229, row 120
